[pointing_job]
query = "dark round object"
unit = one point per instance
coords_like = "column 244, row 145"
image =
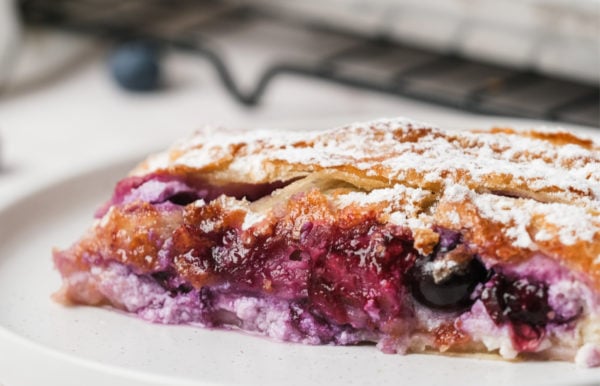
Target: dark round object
column 451, row 294
column 526, row 301
column 183, row 198
column 136, row 66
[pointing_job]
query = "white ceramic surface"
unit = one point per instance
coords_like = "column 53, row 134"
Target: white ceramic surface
column 42, row 342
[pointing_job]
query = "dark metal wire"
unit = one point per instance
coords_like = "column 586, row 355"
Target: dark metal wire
column 49, row 12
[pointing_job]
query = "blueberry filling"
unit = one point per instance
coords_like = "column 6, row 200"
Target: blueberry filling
column 448, row 239
column 296, row 255
column 522, row 304
column 170, row 282
column 183, row 198
column 158, row 188
column 310, row 323
column 357, row 276
column 206, row 298
column 452, row 279
column 452, row 293
column 520, row 301
column 446, row 279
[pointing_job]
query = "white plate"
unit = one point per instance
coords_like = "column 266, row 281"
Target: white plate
column 41, row 341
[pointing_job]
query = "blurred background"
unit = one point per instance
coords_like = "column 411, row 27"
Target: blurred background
column 83, row 82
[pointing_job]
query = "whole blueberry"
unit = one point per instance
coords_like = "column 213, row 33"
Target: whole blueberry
column 451, row 294
column 135, row 66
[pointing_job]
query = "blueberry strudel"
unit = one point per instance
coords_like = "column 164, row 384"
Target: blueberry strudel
column 413, row 238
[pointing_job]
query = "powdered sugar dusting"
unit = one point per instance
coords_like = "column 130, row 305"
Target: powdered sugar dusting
column 561, row 170
column 503, row 210
column 251, row 219
column 456, row 193
column 572, row 223
column 397, row 193
column 397, row 146
column 401, row 218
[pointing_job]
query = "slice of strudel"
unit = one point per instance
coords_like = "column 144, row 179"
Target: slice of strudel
column 392, row 232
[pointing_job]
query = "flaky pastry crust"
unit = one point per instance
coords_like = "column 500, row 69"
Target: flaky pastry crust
column 514, row 193
column 391, row 232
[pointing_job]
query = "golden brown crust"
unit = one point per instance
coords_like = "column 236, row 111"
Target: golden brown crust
column 397, row 151
column 513, row 194
column 495, row 238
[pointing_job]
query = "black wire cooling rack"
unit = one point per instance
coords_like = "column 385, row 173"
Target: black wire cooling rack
column 223, row 33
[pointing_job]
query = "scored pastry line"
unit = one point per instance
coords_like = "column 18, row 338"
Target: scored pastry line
column 399, row 151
